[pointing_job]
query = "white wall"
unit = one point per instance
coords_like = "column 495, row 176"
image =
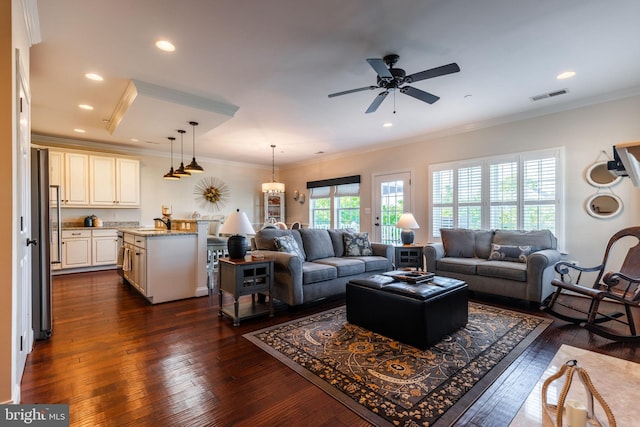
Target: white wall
column 583, row 132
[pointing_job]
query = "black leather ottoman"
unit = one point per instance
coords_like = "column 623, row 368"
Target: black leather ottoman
column 415, row 314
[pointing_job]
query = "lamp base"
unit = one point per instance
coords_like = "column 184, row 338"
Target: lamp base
column 237, row 246
column 407, row 237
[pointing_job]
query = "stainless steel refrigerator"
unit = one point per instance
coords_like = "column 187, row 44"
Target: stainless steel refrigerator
column 45, row 226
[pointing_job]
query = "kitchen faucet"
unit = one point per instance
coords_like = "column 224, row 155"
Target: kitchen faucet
column 167, row 222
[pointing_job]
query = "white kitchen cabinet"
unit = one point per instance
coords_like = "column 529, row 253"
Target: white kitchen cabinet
column 56, row 174
column 127, row 182
column 114, row 181
column 273, row 207
column 137, row 273
column 76, row 179
column 88, row 180
column 163, row 267
column 104, row 247
column 102, row 181
column 76, row 248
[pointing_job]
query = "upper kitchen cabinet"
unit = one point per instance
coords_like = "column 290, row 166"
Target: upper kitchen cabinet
column 114, row 182
column 87, row 180
column 70, row 171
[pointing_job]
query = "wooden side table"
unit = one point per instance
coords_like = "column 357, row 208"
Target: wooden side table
column 409, row 256
column 245, row 277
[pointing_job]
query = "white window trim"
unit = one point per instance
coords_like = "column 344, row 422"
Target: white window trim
column 559, row 202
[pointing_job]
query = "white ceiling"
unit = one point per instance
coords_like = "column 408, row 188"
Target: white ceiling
column 277, row 60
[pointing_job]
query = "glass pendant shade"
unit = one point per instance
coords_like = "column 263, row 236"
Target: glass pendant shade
column 194, row 167
column 180, row 171
column 171, row 174
column 273, row 186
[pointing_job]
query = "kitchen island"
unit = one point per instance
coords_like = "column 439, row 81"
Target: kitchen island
column 166, row 265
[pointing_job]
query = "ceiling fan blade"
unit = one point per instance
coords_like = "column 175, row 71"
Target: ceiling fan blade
column 360, row 89
column 379, row 66
column 433, row 72
column 377, row 101
column 419, row 94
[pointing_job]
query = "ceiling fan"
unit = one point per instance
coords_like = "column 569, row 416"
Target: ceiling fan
column 390, row 78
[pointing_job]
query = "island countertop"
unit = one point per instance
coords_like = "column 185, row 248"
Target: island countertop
column 156, row 232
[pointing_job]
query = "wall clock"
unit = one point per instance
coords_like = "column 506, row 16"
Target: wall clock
column 211, row 193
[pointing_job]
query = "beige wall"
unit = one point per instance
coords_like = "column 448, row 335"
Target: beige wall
column 583, row 133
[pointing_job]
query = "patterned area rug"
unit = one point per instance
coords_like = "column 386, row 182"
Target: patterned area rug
column 390, row 383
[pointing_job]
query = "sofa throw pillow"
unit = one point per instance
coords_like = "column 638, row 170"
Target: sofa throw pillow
column 357, row 244
column 288, row 244
column 458, row 242
column 509, row 253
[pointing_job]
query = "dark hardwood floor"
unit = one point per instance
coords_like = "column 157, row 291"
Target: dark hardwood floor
column 118, row 360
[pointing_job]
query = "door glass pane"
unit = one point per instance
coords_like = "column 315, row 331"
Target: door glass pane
column 392, row 204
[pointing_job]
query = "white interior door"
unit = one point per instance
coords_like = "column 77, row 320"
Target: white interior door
column 392, row 197
column 24, row 339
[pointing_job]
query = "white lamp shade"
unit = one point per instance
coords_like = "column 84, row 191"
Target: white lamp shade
column 237, row 223
column 407, row 222
column 273, row 187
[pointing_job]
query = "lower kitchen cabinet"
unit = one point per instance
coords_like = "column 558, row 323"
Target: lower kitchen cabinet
column 88, row 248
column 104, row 247
column 163, row 267
column 76, row 248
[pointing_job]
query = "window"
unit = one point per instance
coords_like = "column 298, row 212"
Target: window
column 520, row 192
column 336, row 206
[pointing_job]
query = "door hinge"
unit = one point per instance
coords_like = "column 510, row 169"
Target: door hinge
column 21, row 104
column 21, row 223
column 20, row 342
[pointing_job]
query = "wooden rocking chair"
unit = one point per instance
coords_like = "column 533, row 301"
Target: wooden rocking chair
column 622, row 287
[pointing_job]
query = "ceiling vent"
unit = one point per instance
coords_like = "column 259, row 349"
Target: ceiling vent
column 549, row 95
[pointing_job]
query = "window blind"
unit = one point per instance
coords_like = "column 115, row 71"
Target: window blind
column 347, row 190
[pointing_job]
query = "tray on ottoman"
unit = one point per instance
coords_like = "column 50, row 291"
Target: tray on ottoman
column 418, row 314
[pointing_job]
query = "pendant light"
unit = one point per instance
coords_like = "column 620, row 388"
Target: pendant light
column 171, row 175
column 194, row 167
column 273, row 186
column 180, row 171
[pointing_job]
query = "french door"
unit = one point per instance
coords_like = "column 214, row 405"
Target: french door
column 392, row 197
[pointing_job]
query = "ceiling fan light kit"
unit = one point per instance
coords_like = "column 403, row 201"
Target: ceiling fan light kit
column 390, row 79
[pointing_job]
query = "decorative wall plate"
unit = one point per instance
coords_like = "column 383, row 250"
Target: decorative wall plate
column 211, row 193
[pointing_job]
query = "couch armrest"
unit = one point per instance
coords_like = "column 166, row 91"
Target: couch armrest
column 382, row 249
column 287, row 286
column 540, row 272
column 432, row 252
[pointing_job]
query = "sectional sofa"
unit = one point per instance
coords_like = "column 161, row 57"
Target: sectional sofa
column 311, row 264
column 510, row 263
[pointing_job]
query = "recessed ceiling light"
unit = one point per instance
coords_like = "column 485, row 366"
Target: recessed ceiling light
column 387, row 125
column 94, row 77
column 85, row 106
column 566, row 75
column 134, row 139
column 165, row 45
column 79, row 130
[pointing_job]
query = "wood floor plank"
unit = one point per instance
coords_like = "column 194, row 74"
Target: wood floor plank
column 118, row 360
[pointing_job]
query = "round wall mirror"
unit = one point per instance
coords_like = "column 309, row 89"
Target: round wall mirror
column 604, row 205
column 599, row 176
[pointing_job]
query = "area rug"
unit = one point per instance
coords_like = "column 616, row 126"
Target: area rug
column 390, row 383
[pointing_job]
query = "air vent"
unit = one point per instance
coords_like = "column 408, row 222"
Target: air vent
column 549, row 95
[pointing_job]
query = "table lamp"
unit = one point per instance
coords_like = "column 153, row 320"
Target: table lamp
column 407, row 223
column 237, row 224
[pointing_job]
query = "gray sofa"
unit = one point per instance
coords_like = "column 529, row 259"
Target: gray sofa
column 510, row 263
column 325, row 269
